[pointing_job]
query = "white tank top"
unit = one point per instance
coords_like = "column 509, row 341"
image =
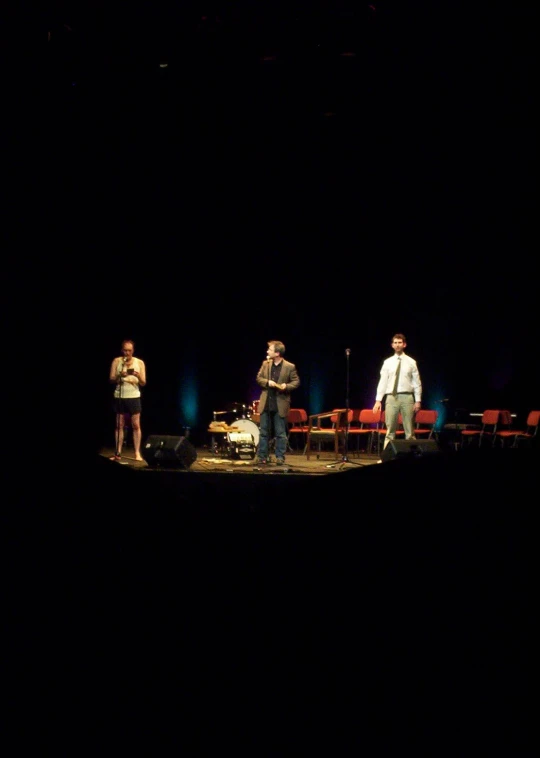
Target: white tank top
column 126, row 389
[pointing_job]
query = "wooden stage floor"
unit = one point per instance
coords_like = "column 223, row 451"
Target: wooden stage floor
column 319, row 464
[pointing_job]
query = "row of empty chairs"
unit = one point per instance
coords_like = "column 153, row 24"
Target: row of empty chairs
column 496, row 427
column 526, row 435
column 425, row 427
column 342, row 426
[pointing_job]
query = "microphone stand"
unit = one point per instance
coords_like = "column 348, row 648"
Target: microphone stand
column 345, row 457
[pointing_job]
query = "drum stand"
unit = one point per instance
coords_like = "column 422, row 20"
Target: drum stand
column 214, row 447
column 345, row 457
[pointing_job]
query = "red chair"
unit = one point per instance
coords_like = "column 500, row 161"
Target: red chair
column 486, row 432
column 530, row 435
column 520, row 435
column 424, row 424
column 297, row 424
column 364, row 423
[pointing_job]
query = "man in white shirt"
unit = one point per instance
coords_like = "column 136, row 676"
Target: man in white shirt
column 401, row 384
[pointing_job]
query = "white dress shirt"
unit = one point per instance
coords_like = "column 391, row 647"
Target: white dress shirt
column 409, row 378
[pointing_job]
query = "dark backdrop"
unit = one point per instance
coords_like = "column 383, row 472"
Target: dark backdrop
column 267, row 185
column 323, row 176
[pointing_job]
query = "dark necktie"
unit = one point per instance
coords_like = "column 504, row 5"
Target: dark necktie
column 396, row 380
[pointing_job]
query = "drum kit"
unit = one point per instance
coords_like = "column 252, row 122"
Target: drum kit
column 240, row 438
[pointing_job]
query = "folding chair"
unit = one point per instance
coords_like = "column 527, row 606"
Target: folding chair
column 425, row 424
column 521, row 436
column 366, row 422
column 486, row 432
column 297, row 425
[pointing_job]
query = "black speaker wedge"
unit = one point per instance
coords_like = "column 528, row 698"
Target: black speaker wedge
column 168, row 451
column 409, row 449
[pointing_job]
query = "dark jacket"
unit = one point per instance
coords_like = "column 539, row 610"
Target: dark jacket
column 289, row 375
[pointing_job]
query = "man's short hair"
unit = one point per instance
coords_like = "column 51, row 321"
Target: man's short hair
column 279, row 347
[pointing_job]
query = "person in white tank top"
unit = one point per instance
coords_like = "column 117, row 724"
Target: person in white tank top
column 128, row 374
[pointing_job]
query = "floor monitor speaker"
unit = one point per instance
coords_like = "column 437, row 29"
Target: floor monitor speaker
column 168, row 451
column 409, row 449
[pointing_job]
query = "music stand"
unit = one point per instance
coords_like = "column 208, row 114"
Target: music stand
column 457, row 425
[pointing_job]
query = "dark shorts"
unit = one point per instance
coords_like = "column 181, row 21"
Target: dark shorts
column 129, row 405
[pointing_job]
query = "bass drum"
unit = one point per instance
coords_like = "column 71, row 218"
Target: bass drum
column 245, row 426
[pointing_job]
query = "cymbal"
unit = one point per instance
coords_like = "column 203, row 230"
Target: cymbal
column 232, row 407
column 219, row 413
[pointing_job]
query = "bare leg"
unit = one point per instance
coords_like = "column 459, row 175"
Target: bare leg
column 137, row 434
column 119, row 433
